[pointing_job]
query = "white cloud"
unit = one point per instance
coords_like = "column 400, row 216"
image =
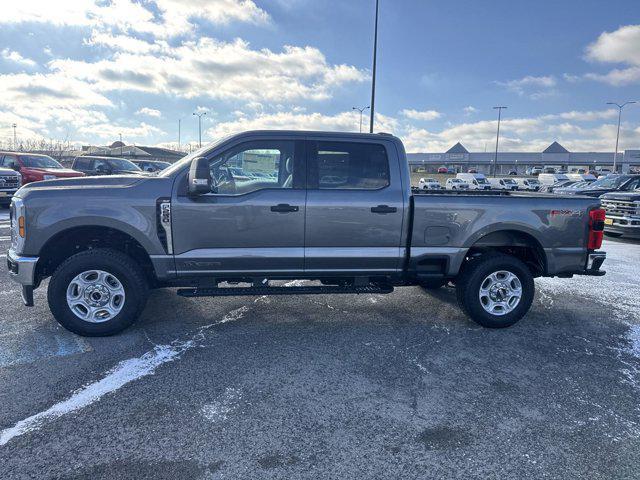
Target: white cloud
column 174, row 17
column 109, row 131
column 216, row 69
column 149, row 112
column 543, row 86
column 13, row 56
column 620, row 46
column 420, row 115
column 469, row 110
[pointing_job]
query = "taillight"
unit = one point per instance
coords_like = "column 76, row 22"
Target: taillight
column 596, row 228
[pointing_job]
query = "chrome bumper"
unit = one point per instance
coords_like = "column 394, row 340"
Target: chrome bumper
column 22, row 270
column 594, row 262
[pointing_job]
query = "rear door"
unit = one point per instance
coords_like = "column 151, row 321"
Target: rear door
column 354, row 207
column 252, row 222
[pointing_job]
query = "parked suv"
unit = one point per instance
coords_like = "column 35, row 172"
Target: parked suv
column 35, row 167
column 10, row 182
column 94, row 165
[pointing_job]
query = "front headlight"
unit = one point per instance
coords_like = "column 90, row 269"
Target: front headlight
column 18, row 225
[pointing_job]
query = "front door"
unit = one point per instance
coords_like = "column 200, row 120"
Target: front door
column 354, row 208
column 253, row 219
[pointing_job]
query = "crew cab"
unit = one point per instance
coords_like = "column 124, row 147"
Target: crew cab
column 35, row 167
column 334, row 208
column 622, row 213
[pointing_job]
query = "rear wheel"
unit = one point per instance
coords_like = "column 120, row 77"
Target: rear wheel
column 495, row 290
column 612, row 234
column 97, row 292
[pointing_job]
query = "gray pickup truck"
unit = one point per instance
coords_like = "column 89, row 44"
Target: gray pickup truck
column 242, row 214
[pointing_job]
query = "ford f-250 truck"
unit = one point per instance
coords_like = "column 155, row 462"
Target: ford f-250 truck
column 263, row 206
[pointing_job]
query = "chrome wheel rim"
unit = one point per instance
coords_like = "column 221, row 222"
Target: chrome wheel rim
column 500, row 292
column 95, row 296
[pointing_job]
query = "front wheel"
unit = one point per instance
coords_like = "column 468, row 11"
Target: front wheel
column 97, row 292
column 495, row 290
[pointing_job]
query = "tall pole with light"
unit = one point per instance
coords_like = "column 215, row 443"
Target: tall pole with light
column 199, row 115
column 361, row 110
column 620, row 107
column 121, row 144
column 495, row 158
column 373, row 79
column 15, row 142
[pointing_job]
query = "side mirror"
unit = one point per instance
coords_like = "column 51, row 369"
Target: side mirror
column 15, row 167
column 199, row 177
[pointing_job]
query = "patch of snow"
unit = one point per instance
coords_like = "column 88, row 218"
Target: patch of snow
column 225, row 404
column 122, row 374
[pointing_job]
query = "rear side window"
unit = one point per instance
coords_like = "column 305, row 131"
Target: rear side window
column 350, row 166
column 82, row 163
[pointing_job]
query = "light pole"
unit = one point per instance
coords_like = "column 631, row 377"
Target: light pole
column 373, row 79
column 199, row 115
column 15, row 142
column 620, row 107
column 495, row 158
column 120, row 144
column 361, row 110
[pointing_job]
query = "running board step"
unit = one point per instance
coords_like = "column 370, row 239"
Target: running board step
column 310, row 290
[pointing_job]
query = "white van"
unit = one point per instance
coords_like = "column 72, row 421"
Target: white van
column 551, row 178
column 503, row 183
column 528, row 184
column 476, row 181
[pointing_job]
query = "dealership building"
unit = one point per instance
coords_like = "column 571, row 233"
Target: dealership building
column 555, row 155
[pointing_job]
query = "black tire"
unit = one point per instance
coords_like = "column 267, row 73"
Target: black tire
column 612, row 234
column 123, row 267
column 433, row 283
column 474, row 273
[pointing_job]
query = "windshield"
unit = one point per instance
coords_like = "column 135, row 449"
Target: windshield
column 36, row 161
column 180, row 164
column 609, row 182
column 533, row 181
column 510, row 181
column 482, row 181
column 121, row 164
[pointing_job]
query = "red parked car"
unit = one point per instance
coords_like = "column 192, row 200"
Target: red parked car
column 35, row 167
column 443, row 170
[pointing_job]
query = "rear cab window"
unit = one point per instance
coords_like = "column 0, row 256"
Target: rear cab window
column 343, row 165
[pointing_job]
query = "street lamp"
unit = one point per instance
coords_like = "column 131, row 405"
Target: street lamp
column 361, row 110
column 199, row 115
column 373, row 78
column 120, row 144
column 620, row 107
column 495, row 158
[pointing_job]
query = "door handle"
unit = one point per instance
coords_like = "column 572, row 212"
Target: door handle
column 383, row 209
column 284, row 208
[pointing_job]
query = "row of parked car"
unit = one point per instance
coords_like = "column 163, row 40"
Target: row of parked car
column 20, row 168
column 477, row 181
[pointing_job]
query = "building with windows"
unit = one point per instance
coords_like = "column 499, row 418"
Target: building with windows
column 555, row 155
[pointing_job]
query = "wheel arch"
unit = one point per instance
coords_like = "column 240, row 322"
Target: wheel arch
column 72, row 240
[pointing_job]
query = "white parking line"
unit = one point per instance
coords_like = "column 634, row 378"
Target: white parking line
column 123, row 373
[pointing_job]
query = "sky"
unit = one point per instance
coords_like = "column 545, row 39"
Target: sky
column 86, row 71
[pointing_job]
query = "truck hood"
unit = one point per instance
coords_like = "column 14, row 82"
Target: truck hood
column 8, row 171
column 633, row 196
column 84, row 182
column 61, row 172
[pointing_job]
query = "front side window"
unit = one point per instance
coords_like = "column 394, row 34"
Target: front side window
column 351, row 165
column 253, row 166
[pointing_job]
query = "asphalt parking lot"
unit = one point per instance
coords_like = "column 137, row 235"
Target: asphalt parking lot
column 370, row 386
